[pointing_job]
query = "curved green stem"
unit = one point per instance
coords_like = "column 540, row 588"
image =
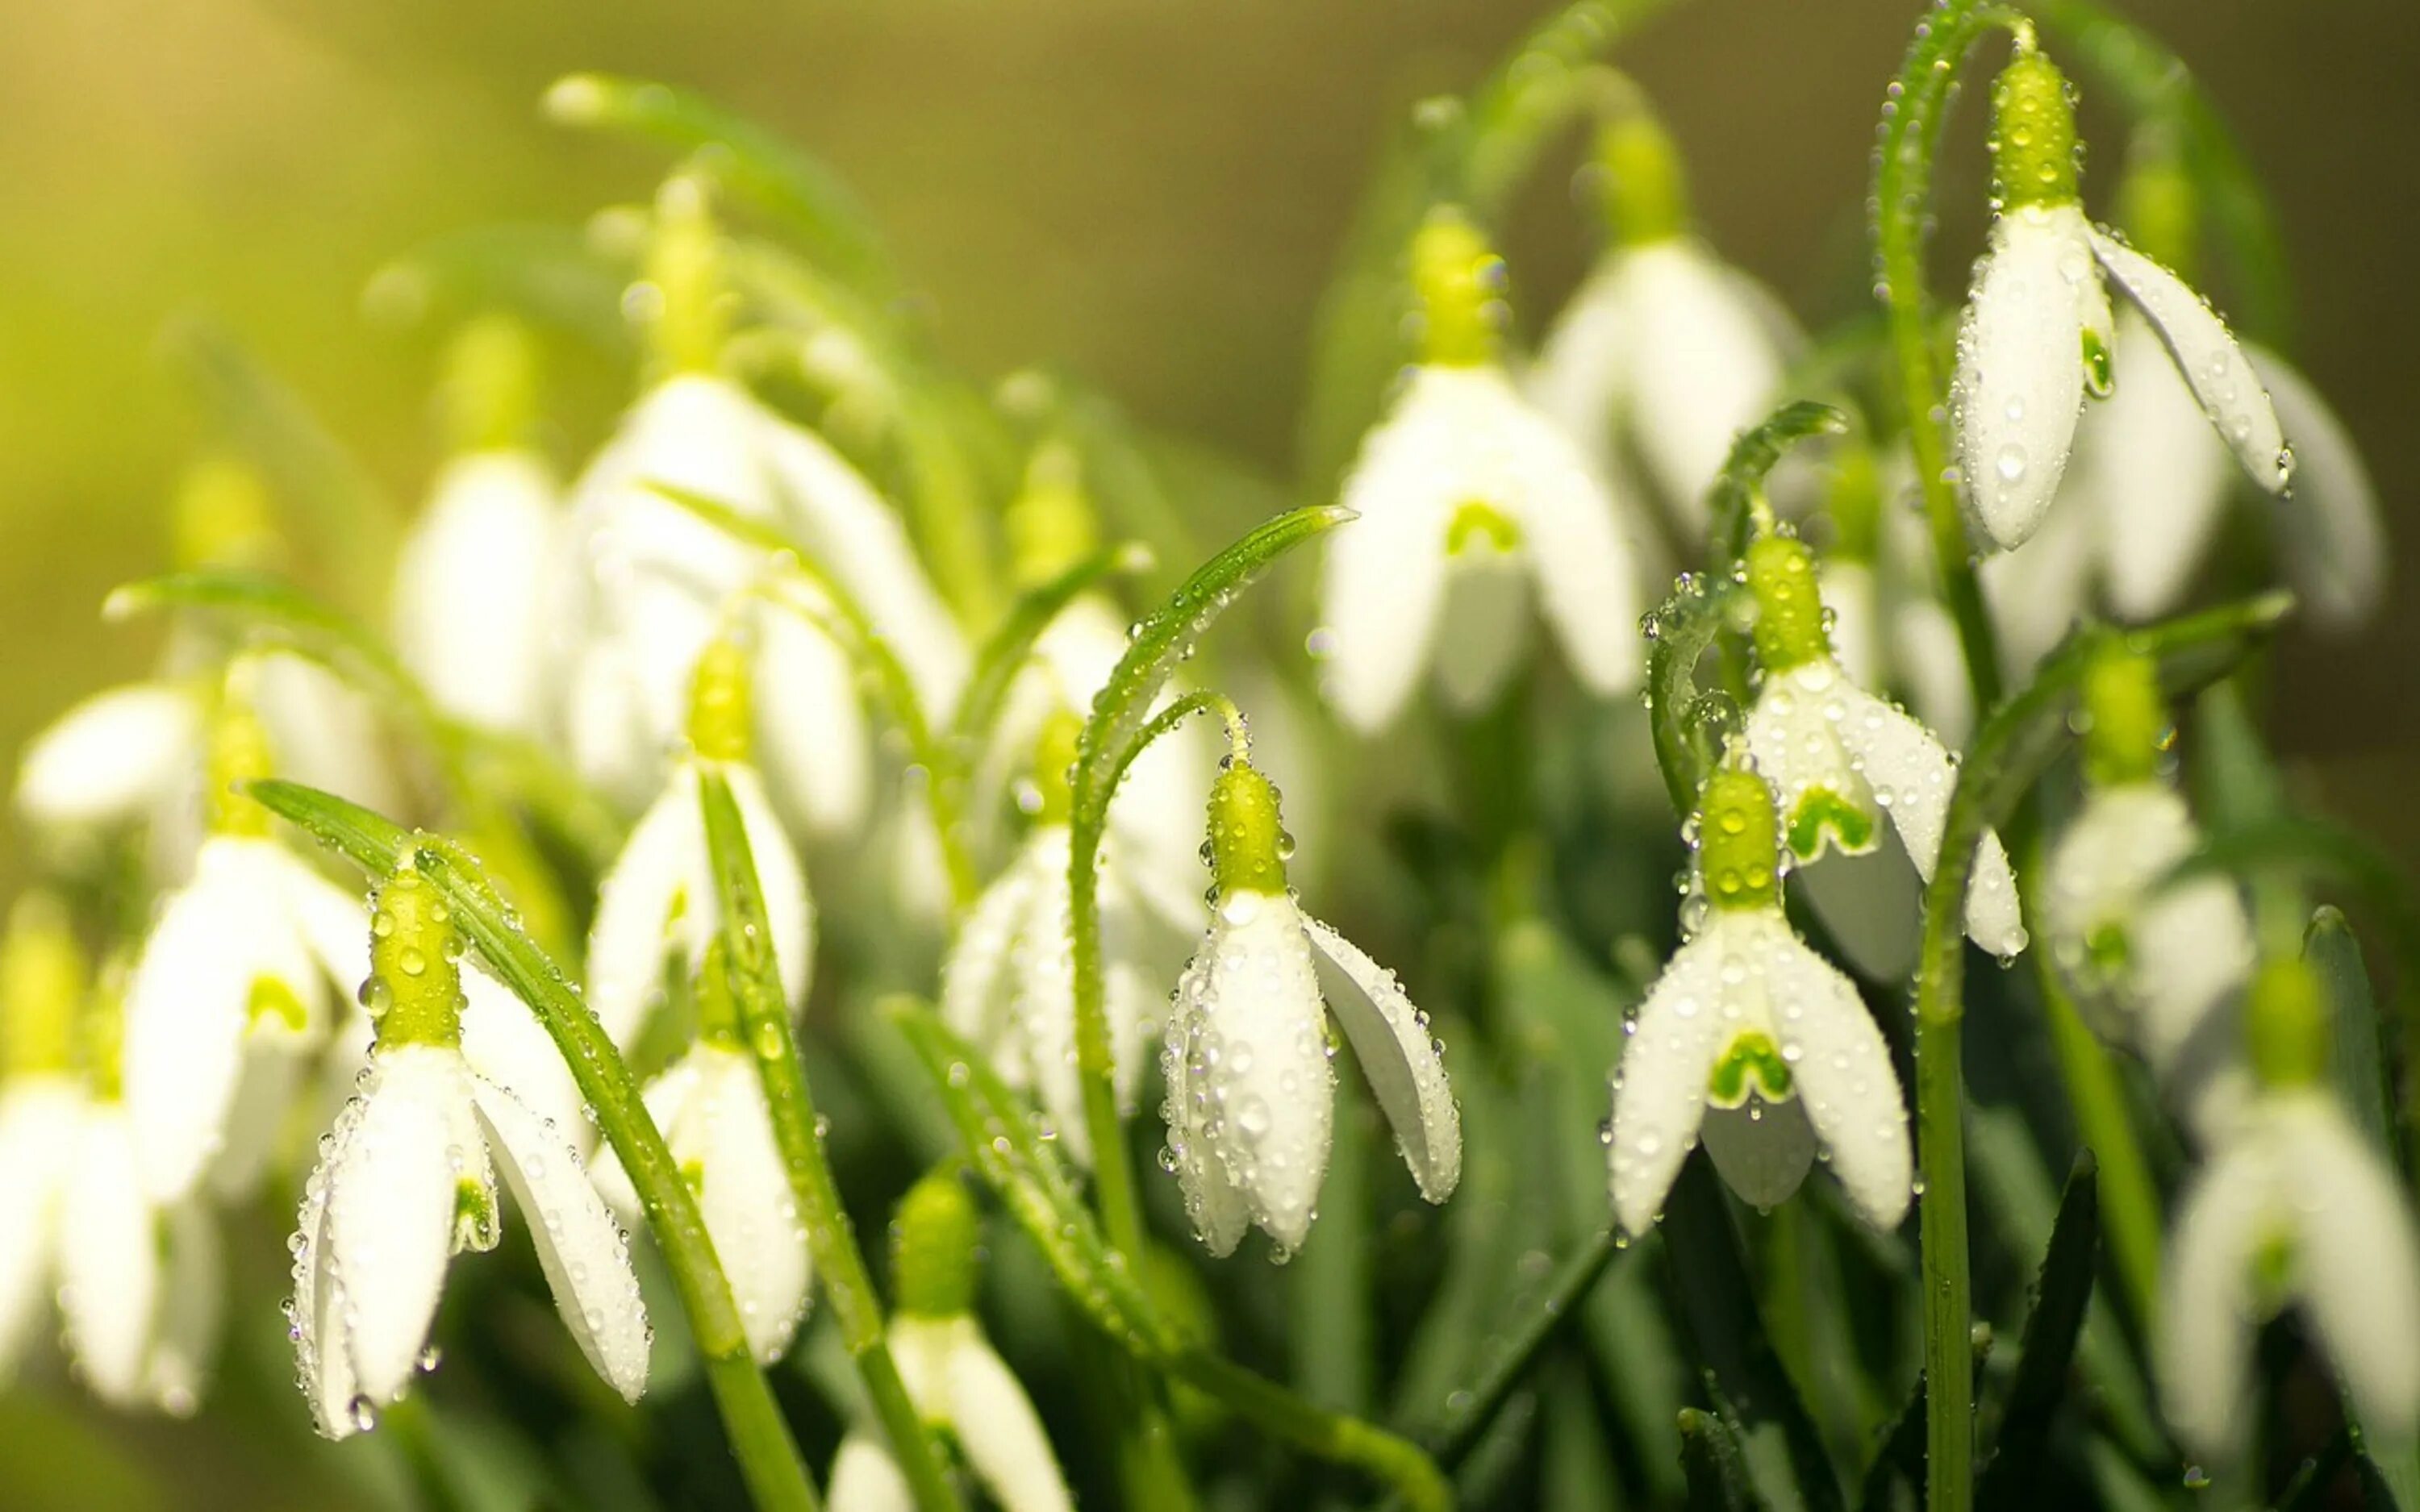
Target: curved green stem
column 1335, row 1436
column 760, row 1438
column 1912, row 120
column 831, row 1239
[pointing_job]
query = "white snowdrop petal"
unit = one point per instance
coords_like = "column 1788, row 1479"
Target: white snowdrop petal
column 2020, row 368
column 656, row 872
column 865, row 1478
column 666, row 1099
column 1854, row 601
column 390, row 1212
column 1763, row 1149
column 789, row 909
column 2357, row 1263
column 1659, row 1093
column 1216, row 1205
column 109, row 1260
column 323, row 1364
column 1911, row 775
column 1796, row 738
column 2207, row 354
column 1579, row 543
column 111, row 756
column 1844, row 1075
column 1382, row 584
column 810, row 728
column 998, row 1428
column 582, row 1249
column 38, row 1120
column 976, row 990
column 1584, row 363
column 746, row 1199
column 1042, row 1005
column 271, row 1070
column 326, row 732
column 2153, row 480
column 2192, row 946
column 1932, row 666
column 1487, row 627
column 1872, row 906
column 1707, row 367
column 471, row 591
column 192, row 1307
column 187, row 1004
column 504, row 1042
column 2037, row 593
column 2331, row 529
column 2203, row 1344
column 1399, row 1055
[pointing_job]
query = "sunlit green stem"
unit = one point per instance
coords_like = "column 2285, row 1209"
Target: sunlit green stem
column 1903, row 193
column 831, row 1239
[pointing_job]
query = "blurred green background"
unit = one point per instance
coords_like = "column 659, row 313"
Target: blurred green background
column 1149, row 192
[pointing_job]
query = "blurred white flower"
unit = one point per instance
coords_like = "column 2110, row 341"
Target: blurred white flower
column 473, row 597
column 40, row 1119
column 1251, row 1090
column 1753, row 1043
column 142, row 1285
column 2294, row 1207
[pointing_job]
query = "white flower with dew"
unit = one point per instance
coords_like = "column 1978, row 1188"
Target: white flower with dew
column 1754, row 1043
column 2036, row 335
column 1467, row 495
column 1251, row 1090
column 407, row 1180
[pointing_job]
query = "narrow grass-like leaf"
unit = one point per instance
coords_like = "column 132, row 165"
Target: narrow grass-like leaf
column 1004, row 652
column 2361, row 1082
column 1731, row 501
column 1686, row 726
column 1716, row 1468
column 2052, row 1329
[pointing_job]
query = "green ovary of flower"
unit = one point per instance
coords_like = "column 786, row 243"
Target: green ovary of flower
column 2288, row 1022
column 42, row 982
column 1477, row 524
column 934, row 1235
column 414, row 992
column 1789, row 630
column 1752, row 1063
column 720, row 711
column 2126, row 719
column 2034, row 156
column 1247, row 841
column 1737, row 856
column 238, row 756
column 1646, row 194
column 1459, row 282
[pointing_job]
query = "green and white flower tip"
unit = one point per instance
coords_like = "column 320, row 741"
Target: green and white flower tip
column 472, row 596
column 2035, row 337
column 1842, row 760
column 710, row 1105
column 645, row 581
column 41, row 1101
column 2296, row 1207
column 659, row 898
column 407, row 1179
column 1009, row 984
column 1666, row 344
column 1752, row 1041
column 232, row 991
column 959, row 1384
column 1466, row 492
column 2153, row 966
column 1251, row 1090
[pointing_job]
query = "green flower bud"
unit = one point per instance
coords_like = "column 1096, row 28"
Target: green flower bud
column 489, row 394
column 1646, row 195
column 1247, row 839
column 1459, row 281
column 2286, row 1019
column 1788, row 606
column 934, row 1239
column 42, row 983
column 2125, row 718
column 414, row 994
column 2035, row 157
column 1739, row 852
column 721, row 710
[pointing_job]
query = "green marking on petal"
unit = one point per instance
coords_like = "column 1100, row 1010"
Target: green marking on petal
column 477, row 1224
column 2272, row 1270
column 1752, row 1063
column 2100, row 378
column 273, row 1003
column 692, row 1175
column 2108, row 950
column 1477, row 523
column 1821, row 812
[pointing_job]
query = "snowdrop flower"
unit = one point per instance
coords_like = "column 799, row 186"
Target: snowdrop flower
column 1250, row 1092
column 959, row 1384
column 2293, row 1206
column 2152, row 965
column 1841, row 760
column 649, row 579
column 1752, row 1041
column 231, row 992
column 42, row 1103
column 660, row 898
column 1009, row 984
column 1665, row 341
column 2035, row 337
column 471, row 597
column 407, row 1180
column 711, row 1106
column 1465, row 493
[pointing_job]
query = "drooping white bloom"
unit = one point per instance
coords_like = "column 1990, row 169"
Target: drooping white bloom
column 957, row 1380
column 40, row 1118
column 2332, row 531
column 472, row 591
column 407, row 1182
column 1009, row 985
column 231, row 992
column 1251, row 1104
column 710, row 1106
column 650, row 582
column 141, row 1285
column 1841, row 761
column 865, row 1478
column 1755, row 1044
column 2293, row 1206
column 659, row 899
column 1465, row 495
column 1670, row 346
column 2151, row 965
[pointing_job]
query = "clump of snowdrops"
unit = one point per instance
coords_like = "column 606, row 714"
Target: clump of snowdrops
column 831, row 888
